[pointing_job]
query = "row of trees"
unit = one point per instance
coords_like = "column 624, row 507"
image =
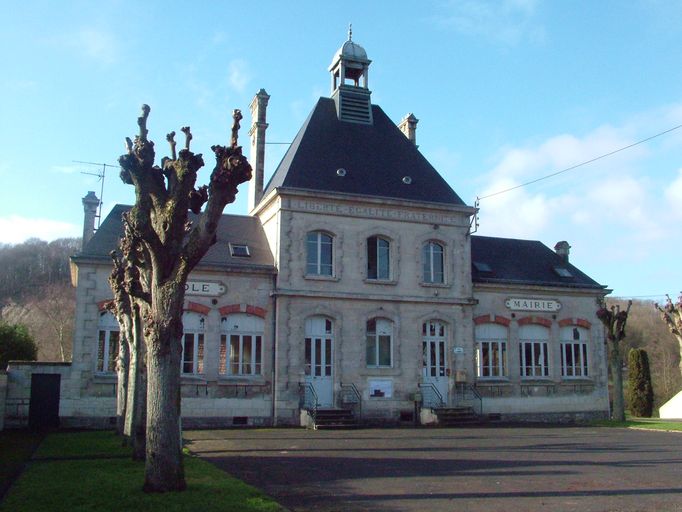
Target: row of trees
column 159, row 249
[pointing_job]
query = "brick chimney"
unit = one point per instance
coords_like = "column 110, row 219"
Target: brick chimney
column 563, row 249
column 258, row 107
column 90, row 205
column 409, row 127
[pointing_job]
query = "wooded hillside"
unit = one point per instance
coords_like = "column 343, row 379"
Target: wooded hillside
column 35, row 290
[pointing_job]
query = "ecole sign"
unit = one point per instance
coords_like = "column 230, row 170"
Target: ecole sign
column 205, row 288
column 519, row 304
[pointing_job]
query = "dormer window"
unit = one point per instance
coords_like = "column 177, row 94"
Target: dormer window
column 239, row 251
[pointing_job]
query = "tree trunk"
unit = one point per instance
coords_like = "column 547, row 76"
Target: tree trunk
column 164, row 469
column 122, row 383
column 136, row 408
column 618, row 412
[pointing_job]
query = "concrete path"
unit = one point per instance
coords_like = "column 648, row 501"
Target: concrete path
column 475, row 469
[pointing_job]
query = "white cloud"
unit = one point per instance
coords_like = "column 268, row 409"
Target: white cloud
column 609, row 203
column 239, row 75
column 507, row 22
column 99, row 45
column 15, row 229
column 673, row 194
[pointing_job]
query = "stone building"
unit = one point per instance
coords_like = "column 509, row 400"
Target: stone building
column 354, row 282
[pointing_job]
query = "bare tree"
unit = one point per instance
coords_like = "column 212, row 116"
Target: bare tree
column 614, row 320
column 158, row 222
column 126, row 283
column 671, row 313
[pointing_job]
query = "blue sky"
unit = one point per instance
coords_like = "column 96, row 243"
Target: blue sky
column 506, row 91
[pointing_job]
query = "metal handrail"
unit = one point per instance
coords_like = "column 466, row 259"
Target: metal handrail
column 309, row 400
column 476, row 395
column 437, row 394
column 358, row 397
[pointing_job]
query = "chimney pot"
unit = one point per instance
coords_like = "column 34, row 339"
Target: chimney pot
column 90, row 205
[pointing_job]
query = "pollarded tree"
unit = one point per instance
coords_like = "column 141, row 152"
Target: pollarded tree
column 173, row 246
column 640, row 390
column 614, row 320
column 671, row 313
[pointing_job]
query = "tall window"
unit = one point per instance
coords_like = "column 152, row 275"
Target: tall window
column 319, row 254
column 534, row 351
column 319, row 335
column 379, row 342
column 574, row 352
column 378, row 254
column 432, row 258
column 193, row 343
column 241, row 345
column 434, row 362
column 107, row 342
column 491, row 351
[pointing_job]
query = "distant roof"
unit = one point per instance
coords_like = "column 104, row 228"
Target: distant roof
column 523, row 262
column 376, row 158
column 232, row 229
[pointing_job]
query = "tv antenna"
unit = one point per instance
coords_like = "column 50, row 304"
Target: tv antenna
column 100, row 176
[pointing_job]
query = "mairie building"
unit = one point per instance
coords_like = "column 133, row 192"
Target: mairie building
column 353, row 285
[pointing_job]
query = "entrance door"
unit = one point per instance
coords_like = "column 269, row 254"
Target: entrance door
column 43, row 409
column 318, row 358
column 434, row 347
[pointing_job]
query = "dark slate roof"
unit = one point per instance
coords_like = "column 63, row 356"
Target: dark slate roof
column 236, row 229
column 376, row 158
column 523, row 262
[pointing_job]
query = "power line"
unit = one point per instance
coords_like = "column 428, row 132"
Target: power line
column 582, row 163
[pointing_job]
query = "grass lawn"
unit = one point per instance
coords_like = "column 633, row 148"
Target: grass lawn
column 642, row 423
column 91, row 471
column 15, row 449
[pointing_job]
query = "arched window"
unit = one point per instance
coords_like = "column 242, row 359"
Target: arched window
column 193, row 343
column 378, row 258
column 319, row 254
column 319, row 336
column 379, row 342
column 432, row 260
column 108, row 339
column 241, row 345
column 574, row 352
column 534, row 351
column 491, row 351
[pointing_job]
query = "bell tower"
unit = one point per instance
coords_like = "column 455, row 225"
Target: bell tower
column 349, row 74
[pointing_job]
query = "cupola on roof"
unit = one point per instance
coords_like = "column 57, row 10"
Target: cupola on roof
column 350, row 50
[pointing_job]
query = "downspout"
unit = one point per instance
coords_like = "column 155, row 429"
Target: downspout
column 274, row 350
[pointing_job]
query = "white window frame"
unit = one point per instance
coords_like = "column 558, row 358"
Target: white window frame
column 496, row 338
column 536, row 337
column 108, row 338
column 318, row 267
column 574, row 339
column 435, row 331
column 428, row 257
column 241, row 326
column 383, row 327
column 382, row 253
column 193, row 332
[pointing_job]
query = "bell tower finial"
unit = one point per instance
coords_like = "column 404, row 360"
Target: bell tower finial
column 350, row 31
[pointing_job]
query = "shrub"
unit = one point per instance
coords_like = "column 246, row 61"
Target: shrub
column 640, row 390
column 16, row 344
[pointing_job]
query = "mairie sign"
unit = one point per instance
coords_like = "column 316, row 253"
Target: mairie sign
column 205, row 288
column 521, row 304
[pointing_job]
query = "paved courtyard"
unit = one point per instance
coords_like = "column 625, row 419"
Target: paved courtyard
column 473, row 469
